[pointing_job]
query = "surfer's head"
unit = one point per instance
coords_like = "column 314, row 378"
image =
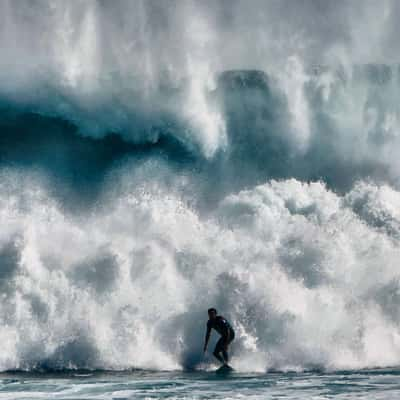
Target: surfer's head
column 212, row 313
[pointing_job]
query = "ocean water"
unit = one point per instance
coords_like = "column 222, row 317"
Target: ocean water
column 363, row 384
column 160, row 158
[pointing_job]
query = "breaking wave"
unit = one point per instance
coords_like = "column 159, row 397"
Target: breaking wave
column 142, row 182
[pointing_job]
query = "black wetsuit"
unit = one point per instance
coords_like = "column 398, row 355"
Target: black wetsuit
column 224, row 328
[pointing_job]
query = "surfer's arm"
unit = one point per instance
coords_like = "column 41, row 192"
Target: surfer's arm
column 208, row 333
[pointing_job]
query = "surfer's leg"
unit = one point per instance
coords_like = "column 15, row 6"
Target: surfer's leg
column 225, row 344
column 225, row 350
column 218, row 349
column 225, row 355
column 218, row 357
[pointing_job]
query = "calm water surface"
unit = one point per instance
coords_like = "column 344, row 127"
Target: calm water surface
column 371, row 384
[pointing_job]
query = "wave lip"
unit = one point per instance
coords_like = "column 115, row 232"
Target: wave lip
column 245, row 128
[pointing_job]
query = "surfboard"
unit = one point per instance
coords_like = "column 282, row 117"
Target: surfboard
column 225, row 369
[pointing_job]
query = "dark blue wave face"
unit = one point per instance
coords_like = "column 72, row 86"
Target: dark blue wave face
column 76, row 164
column 261, row 137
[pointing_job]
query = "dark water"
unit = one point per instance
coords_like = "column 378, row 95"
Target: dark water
column 365, row 384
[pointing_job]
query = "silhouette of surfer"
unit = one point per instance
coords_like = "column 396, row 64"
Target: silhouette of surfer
column 224, row 328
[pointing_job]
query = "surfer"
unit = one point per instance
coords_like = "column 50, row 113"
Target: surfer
column 224, row 328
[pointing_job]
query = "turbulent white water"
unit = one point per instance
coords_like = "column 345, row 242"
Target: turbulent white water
column 158, row 159
column 307, row 277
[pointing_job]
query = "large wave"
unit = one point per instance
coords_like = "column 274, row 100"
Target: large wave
column 153, row 164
